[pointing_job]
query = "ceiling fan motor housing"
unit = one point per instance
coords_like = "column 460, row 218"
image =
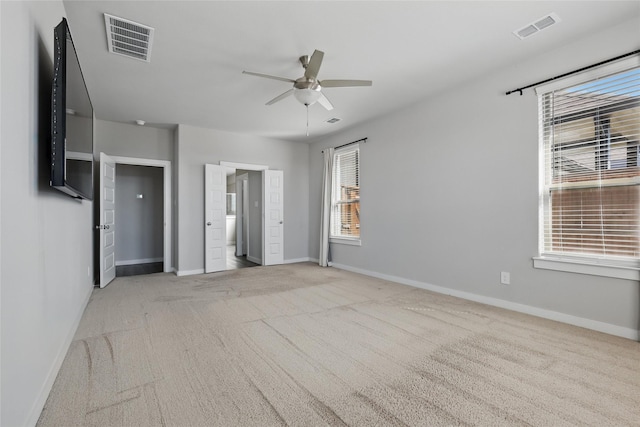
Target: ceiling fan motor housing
column 304, row 83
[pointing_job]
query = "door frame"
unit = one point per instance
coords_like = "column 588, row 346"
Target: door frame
column 168, row 223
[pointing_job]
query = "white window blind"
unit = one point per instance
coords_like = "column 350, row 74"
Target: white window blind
column 590, row 194
column 345, row 206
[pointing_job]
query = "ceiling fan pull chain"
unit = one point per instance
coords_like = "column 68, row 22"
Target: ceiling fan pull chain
column 307, row 105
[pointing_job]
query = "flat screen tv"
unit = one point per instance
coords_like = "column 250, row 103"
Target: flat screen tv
column 71, row 121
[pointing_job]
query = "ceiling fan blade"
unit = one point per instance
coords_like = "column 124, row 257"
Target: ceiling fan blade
column 325, row 102
column 345, row 83
column 267, row 76
column 315, row 62
column 280, row 97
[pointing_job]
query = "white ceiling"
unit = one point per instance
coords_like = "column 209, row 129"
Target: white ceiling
column 410, row 50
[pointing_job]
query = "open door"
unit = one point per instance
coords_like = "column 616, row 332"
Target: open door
column 215, row 229
column 107, row 219
column 273, row 217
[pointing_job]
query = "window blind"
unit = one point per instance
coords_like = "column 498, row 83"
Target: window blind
column 345, row 206
column 591, row 190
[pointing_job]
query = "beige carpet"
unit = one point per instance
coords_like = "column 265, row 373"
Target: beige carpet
column 303, row 345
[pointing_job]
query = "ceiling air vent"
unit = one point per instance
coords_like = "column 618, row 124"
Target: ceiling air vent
column 333, row 120
column 128, row 38
column 537, row 26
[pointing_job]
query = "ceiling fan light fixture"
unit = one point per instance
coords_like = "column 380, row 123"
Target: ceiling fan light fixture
column 307, row 96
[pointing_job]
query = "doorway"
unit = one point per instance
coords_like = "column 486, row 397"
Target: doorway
column 107, row 210
column 238, row 231
column 265, row 188
column 140, row 220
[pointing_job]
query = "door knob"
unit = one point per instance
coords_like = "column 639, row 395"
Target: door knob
column 280, row 222
column 209, row 223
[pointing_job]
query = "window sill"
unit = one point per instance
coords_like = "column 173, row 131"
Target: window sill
column 585, row 266
column 345, row 241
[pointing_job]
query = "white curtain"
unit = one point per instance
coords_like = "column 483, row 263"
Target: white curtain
column 325, row 208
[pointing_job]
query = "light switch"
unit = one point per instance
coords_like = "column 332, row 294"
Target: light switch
column 505, row 277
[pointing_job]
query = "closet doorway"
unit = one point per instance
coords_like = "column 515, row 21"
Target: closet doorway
column 140, row 220
column 113, row 253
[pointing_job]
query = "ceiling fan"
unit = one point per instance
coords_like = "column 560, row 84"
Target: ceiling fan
column 308, row 89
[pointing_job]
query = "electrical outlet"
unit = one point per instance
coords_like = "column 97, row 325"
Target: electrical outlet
column 505, row 277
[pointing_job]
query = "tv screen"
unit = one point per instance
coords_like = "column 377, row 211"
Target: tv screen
column 71, row 121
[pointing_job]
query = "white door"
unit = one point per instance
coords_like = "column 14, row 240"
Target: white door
column 215, row 218
column 107, row 219
column 273, row 225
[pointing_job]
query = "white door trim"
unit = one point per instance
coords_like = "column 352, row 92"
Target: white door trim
column 168, row 224
column 245, row 166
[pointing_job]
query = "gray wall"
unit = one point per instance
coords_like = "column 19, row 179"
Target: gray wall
column 197, row 146
column 46, row 237
column 450, row 192
column 129, row 140
column 139, row 222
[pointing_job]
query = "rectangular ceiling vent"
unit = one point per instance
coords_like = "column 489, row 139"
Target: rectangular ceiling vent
column 128, row 38
column 537, row 26
column 333, row 120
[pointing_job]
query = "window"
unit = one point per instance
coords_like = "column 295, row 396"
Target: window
column 590, row 189
column 345, row 194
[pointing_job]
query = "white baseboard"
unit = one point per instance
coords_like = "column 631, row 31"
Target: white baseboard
column 38, row 405
column 139, row 261
column 595, row 325
column 189, row 272
column 296, row 260
column 254, row 259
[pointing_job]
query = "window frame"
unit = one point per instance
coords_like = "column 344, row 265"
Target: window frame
column 335, row 200
column 568, row 262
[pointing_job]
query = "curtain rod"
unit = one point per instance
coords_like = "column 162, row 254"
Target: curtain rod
column 349, row 143
column 520, row 89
